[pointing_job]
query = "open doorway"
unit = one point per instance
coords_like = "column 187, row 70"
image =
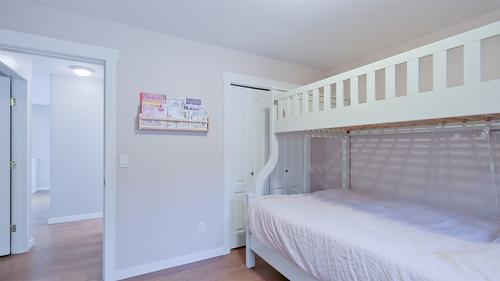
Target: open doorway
column 66, row 148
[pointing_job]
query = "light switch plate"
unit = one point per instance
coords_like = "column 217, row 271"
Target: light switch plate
column 123, row 161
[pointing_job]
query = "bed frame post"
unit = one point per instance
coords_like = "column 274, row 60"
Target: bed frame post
column 346, row 161
column 260, row 184
column 250, row 255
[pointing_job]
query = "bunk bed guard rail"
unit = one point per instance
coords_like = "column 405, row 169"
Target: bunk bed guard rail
column 313, row 107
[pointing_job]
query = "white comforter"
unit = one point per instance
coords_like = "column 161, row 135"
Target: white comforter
column 341, row 235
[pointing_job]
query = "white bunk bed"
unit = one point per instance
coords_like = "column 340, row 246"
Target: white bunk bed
column 328, row 235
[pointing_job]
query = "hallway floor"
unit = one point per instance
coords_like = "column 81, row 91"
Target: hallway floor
column 67, row 251
column 72, row 252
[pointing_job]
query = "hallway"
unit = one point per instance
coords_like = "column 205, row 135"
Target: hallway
column 68, row 251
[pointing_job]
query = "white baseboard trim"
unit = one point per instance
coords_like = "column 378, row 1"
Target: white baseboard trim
column 168, row 263
column 75, row 218
column 31, row 242
column 42, row 188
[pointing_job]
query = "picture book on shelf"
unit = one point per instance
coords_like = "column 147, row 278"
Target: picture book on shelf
column 196, row 112
column 163, row 113
column 153, row 105
column 175, row 108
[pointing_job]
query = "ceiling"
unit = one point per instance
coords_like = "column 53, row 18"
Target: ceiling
column 37, row 69
column 318, row 33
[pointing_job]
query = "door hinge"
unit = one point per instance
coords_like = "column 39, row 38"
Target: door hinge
column 12, row 102
column 12, row 164
column 13, row 228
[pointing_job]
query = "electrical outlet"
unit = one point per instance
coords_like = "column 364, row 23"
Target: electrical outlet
column 201, row 227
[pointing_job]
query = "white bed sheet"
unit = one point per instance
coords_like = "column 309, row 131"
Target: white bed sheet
column 342, row 235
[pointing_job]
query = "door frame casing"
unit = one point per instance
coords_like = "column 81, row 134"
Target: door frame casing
column 5, row 156
column 244, row 80
column 46, row 46
column 19, row 208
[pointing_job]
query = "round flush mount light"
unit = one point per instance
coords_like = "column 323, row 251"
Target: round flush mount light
column 82, row 71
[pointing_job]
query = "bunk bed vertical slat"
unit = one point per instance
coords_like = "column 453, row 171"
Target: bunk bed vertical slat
column 390, row 82
column 412, row 72
column 354, row 91
column 297, row 104
column 339, row 102
column 315, row 100
column 280, row 109
column 305, row 103
column 288, row 107
column 327, row 97
column 370, row 86
column 439, row 70
column 472, row 62
column 346, row 162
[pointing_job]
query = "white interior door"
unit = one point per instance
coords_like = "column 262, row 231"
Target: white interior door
column 247, row 147
column 288, row 175
column 4, row 166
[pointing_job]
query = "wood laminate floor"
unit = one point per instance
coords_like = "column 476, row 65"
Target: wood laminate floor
column 72, row 252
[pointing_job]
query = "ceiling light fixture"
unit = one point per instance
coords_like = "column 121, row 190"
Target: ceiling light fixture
column 82, row 71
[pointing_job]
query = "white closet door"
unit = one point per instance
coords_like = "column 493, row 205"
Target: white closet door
column 287, row 176
column 247, row 111
column 4, row 166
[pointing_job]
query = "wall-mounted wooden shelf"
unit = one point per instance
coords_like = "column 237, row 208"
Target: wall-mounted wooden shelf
column 143, row 126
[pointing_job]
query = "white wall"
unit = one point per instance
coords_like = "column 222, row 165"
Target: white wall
column 326, row 163
column 446, row 169
column 76, row 146
column 40, row 144
column 174, row 180
column 40, row 85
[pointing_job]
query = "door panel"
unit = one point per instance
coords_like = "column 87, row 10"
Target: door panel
column 238, row 220
column 287, row 176
column 247, row 148
column 4, row 166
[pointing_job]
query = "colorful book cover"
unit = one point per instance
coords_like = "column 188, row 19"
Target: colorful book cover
column 196, row 112
column 192, row 104
column 153, row 105
column 175, row 108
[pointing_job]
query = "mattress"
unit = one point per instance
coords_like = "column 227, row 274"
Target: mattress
column 342, row 235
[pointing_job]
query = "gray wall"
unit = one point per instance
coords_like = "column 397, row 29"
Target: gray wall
column 40, row 143
column 448, row 170
column 174, row 180
column 76, row 146
column 326, row 163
